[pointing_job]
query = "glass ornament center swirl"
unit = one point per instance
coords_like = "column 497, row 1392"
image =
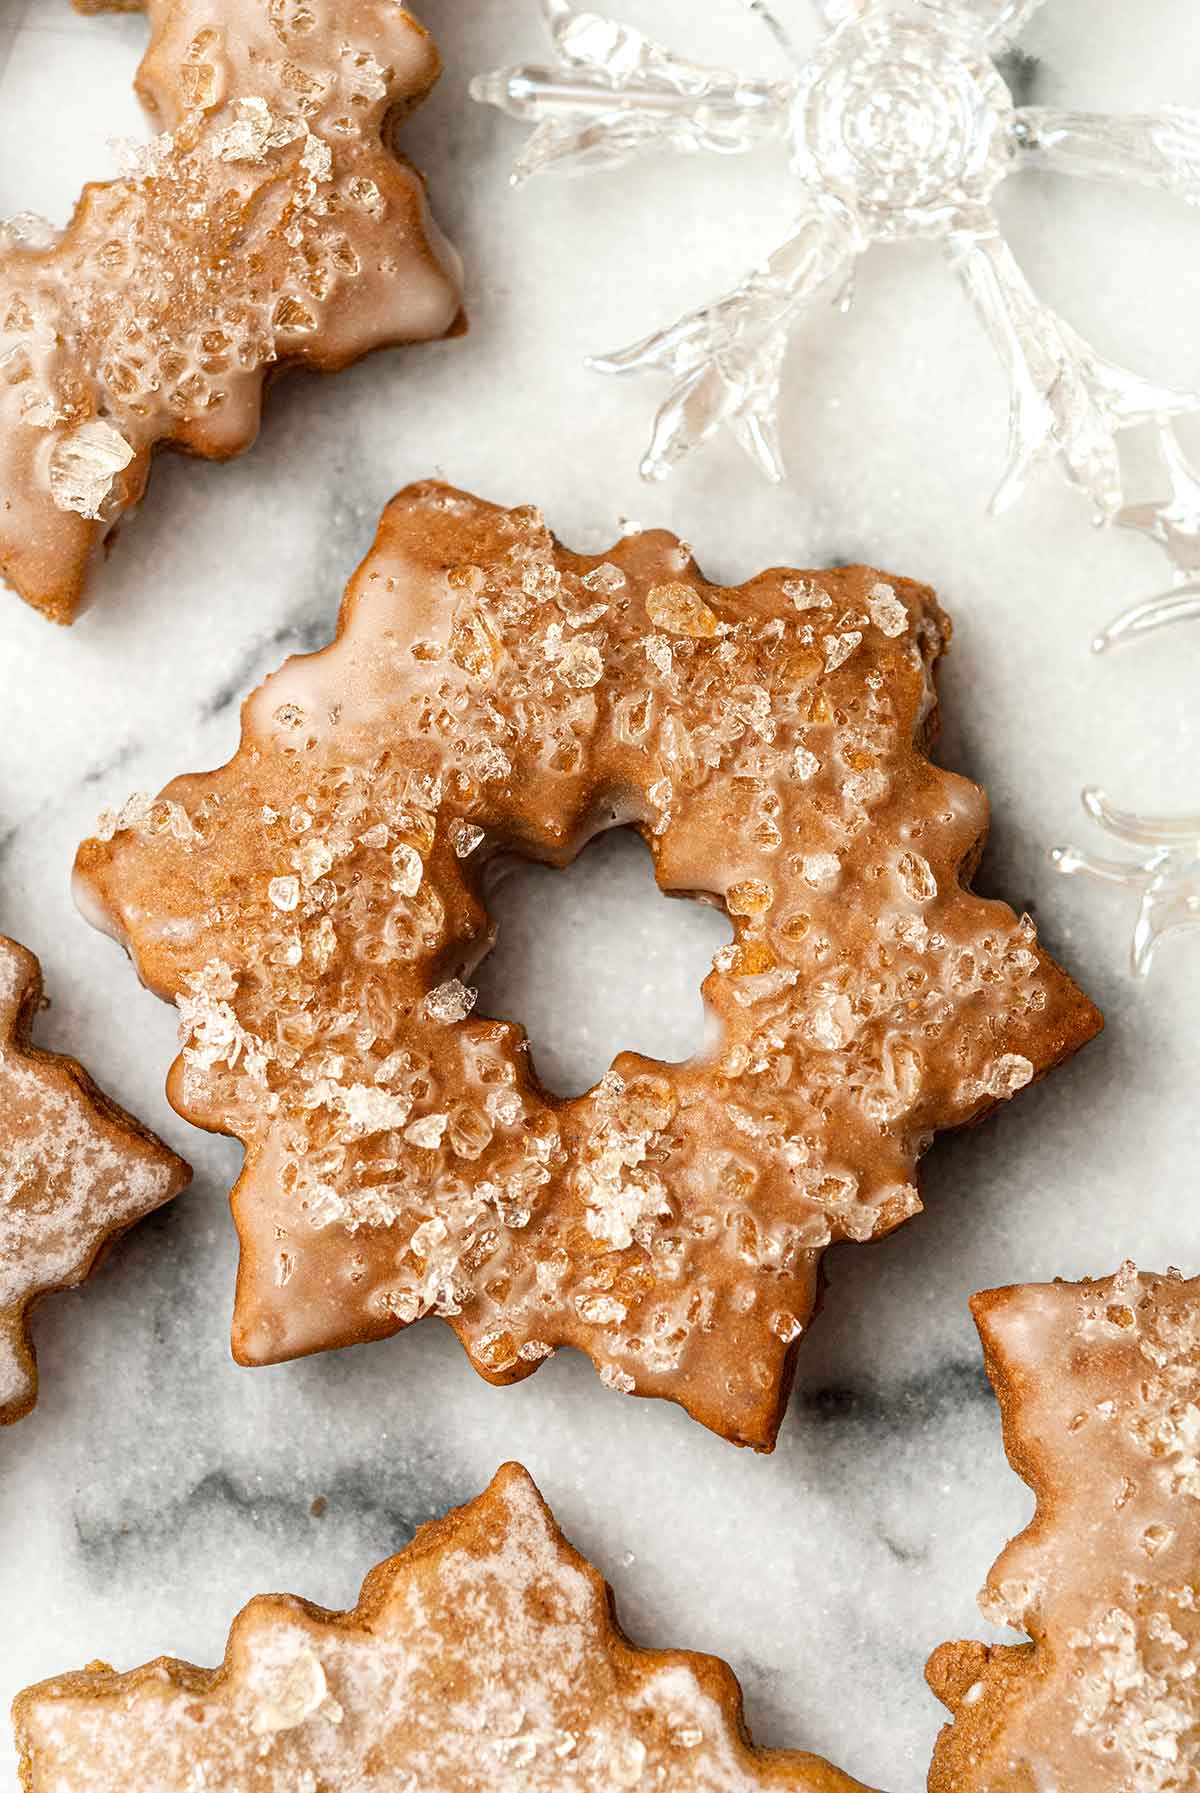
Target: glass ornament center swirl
column 904, row 122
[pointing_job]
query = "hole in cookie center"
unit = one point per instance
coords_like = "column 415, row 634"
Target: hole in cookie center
column 56, row 62
column 595, row 960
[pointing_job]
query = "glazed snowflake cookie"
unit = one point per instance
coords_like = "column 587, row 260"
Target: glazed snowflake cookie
column 486, row 1655
column 269, row 223
column 315, row 907
column 1099, row 1387
column 75, row 1172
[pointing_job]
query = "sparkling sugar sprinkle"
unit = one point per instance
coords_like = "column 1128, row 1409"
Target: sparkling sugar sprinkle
column 1099, row 1384
column 83, row 466
column 266, row 223
column 899, row 126
column 312, row 906
column 485, row 1655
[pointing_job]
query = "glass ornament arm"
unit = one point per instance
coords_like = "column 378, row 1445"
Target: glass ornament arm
column 1179, row 605
column 1140, row 830
column 616, row 94
column 727, row 357
column 1167, row 877
column 1002, row 21
column 1066, row 401
column 1153, row 149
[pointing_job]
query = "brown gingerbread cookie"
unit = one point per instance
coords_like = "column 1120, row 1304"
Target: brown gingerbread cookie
column 75, row 1172
column 314, row 906
column 269, row 223
column 1099, row 1389
column 485, row 1658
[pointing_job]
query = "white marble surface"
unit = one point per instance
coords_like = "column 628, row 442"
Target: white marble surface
column 157, row 1486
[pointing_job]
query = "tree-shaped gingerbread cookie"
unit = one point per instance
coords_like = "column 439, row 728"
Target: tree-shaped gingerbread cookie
column 75, row 1172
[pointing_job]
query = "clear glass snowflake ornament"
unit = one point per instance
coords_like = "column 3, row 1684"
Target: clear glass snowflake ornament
column 901, row 125
column 1165, row 872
